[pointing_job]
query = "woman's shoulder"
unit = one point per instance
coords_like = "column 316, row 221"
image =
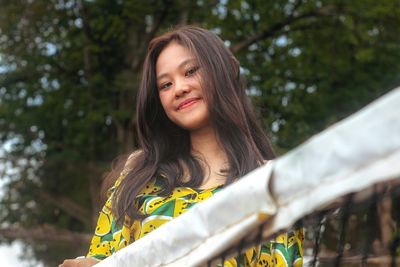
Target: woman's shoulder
column 130, row 161
column 127, row 165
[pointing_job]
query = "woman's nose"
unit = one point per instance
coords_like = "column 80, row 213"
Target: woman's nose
column 181, row 88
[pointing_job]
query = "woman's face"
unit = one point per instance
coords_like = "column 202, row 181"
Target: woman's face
column 179, row 87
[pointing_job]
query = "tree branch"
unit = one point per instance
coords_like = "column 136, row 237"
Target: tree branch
column 94, row 189
column 138, row 61
column 83, row 14
column 297, row 5
column 184, row 14
column 45, row 232
column 158, row 23
column 87, row 55
column 68, row 206
column 277, row 27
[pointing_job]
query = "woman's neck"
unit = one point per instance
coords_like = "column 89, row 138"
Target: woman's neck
column 206, row 145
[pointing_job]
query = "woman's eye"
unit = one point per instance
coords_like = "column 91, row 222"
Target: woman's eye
column 191, row 71
column 164, row 86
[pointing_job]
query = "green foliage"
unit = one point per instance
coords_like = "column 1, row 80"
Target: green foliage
column 330, row 60
column 69, row 71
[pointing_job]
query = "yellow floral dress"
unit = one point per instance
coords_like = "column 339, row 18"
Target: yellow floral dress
column 285, row 250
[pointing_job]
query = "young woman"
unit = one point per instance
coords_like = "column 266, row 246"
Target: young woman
column 197, row 133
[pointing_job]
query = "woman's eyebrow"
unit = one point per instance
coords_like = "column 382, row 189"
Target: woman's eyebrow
column 183, row 63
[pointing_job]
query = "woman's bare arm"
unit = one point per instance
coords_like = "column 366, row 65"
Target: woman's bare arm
column 86, row 262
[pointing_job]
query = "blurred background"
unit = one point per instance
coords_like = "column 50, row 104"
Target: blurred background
column 69, row 72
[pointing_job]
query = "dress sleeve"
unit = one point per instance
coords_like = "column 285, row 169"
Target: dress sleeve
column 101, row 245
column 108, row 236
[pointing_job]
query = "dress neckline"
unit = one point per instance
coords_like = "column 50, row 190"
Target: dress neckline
column 198, row 190
column 207, row 189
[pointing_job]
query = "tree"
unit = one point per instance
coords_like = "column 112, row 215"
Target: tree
column 70, row 69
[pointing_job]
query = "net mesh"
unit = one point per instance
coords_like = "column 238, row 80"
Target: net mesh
column 357, row 230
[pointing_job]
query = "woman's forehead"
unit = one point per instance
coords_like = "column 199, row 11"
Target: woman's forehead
column 173, row 56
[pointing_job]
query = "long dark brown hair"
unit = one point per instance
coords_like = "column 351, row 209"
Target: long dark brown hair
column 165, row 149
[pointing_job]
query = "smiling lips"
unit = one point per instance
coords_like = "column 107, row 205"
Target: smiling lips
column 188, row 102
